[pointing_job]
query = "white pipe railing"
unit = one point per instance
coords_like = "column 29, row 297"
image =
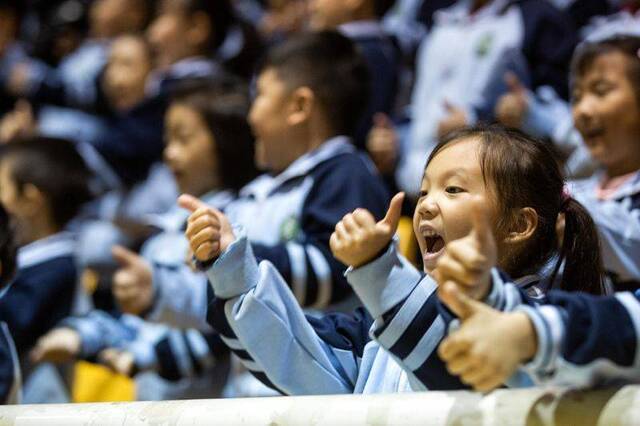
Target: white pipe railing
column 534, row 406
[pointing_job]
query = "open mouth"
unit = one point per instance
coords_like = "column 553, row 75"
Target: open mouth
column 592, row 134
column 435, row 246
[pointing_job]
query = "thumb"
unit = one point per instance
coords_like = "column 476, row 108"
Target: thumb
column 124, row 256
column 480, row 221
column 191, row 203
column 36, row 354
column 513, row 83
column 382, row 120
column 458, row 302
column 392, row 217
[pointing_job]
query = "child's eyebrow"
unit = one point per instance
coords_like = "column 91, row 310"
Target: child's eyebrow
column 457, row 172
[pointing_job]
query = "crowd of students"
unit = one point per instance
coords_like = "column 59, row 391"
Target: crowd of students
column 199, row 194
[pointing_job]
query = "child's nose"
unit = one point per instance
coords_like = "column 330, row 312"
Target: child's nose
column 427, row 208
column 584, row 109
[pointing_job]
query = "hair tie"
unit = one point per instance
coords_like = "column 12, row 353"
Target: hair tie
column 566, row 197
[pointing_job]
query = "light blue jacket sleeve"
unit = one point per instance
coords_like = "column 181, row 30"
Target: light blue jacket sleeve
column 407, row 323
column 181, row 297
column 180, row 292
column 618, row 224
column 261, row 321
column 98, row 330
column 410, row 322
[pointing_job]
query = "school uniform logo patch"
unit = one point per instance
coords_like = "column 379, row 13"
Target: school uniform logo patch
column 289, row 229
column 484, row 45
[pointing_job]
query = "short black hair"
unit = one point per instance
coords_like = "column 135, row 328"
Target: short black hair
column 588, row 52
column 332, row 67
column 7, row 248
column 381, row 7
column 16, row 7
column 224, row 104
column 54, row 167
column 221, row 16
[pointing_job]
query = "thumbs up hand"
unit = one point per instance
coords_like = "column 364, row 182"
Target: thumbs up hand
column 358, row 238
column 119, row 361
column 467, row 261
column 59, row 345
column 489, row 346
column 132, row 284
column 513, row 105
column 208, row 230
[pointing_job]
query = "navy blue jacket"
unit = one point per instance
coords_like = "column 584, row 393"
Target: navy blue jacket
column 43, row 291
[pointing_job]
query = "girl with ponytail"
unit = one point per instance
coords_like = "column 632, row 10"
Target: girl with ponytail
column 544, row 237
column 493, row 215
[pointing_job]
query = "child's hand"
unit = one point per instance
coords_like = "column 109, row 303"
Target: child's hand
column 121, row 362
column 208, row 231
column 18, row 123
column 489, row 346
column 512, row 106
column 455, row 119
column 58, row 346
column 382, row 144
column 133, row 281
column 467, row 261
column 357, row 238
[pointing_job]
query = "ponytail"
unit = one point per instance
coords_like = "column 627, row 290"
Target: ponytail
column 579, row 251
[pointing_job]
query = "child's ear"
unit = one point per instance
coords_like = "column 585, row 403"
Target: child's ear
column 301, row 104
column 34, row 201
column 200, row 29
column 523, row 226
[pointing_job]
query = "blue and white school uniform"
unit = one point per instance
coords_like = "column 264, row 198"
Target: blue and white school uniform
column 458, row 60
column 43, row 292
column 160, row 82
column 173, row 354
column 178, row 288
column 259, row 318
column 10, row 376
column 409, row 321
column 617, row 220
column 288, row 219
column 583, row 340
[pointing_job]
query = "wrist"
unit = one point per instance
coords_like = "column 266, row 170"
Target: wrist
column 362, row 262
column 526, row 339
column 482, row 290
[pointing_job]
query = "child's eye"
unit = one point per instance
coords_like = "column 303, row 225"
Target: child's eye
column 601, row 89
column 423, row 194
column 453, row 190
